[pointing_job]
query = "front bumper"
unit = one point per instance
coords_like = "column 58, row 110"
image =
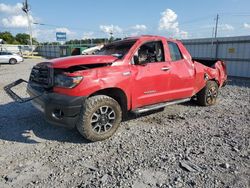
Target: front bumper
column 58, row 109
column 20, row 59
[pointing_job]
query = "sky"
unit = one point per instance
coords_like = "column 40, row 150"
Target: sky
column 82, row 19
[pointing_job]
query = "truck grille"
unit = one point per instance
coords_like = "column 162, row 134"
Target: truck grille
column 42, row 75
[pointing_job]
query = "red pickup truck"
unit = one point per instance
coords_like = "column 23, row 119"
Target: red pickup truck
column 94, row 92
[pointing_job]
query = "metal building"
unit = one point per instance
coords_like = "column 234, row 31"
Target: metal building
column 235, row 51
column 48, row 51
column 55, row 51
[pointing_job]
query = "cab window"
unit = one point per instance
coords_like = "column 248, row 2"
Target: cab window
column 118, row 49
column 175, row 52
column 150, row 52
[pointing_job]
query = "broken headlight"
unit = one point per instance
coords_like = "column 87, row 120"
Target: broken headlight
column 62, row 80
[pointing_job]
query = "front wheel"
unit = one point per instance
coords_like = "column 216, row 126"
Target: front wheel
column 208, row 95
column 99, row 118
column 13, row 61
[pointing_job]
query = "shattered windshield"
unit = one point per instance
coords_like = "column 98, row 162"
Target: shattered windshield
column 117, row 49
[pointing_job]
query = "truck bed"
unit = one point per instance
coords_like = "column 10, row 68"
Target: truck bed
column 206, row 62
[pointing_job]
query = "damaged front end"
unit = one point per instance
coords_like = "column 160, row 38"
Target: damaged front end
column 14, row 96
column 41, row 78
column 44, row 76
column 58, row 108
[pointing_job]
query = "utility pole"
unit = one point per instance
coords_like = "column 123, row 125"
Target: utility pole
column 216, row 26
column 26, row 9
column 111, row 35
column 215, row 35
column 212, row 36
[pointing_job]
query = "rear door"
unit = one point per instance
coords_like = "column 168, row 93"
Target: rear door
column 182, row 74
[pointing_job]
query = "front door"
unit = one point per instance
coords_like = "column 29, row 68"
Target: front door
column 151, row 75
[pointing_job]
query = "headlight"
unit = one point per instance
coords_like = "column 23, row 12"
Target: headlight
column 65, row 81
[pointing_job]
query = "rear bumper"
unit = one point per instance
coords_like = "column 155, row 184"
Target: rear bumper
column 58, row 109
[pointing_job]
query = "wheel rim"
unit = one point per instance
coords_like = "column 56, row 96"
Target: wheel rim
column 103, row 119
column 12, row 61
column 212, row 95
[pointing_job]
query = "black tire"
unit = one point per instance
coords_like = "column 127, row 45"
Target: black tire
column 208, row 95
column 94, row 124
column 12, row 61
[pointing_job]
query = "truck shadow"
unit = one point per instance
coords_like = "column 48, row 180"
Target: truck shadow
column 23, row 123
column 131, row 116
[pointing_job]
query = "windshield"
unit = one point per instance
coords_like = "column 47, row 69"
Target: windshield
column 117, row 49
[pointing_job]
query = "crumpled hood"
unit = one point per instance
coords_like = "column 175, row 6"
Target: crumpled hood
column 67, row 62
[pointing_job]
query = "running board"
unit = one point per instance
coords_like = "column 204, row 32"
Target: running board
column 158, row 106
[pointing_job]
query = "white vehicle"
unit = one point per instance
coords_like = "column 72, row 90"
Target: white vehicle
column 92, row 50
column 8, row 57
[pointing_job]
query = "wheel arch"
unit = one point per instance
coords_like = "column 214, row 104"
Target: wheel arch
column 216, row 81
column 116, row 93
column 12, row 58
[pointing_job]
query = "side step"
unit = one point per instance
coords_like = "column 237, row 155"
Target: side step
column 158, row 106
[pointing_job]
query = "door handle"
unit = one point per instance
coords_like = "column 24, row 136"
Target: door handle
column 126, row 73
column 165, row 68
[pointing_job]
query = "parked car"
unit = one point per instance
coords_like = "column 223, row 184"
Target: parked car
column 95, row 92
column 9, row 57
column 92, row 50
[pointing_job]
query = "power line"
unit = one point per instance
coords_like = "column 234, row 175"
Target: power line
column 196, row 20
column 235, row 13
column 111, row 33
column 63, row 26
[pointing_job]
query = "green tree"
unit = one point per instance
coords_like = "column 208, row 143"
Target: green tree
column 111, row 39
column 7, row 37
column 24, row 38
column 95, row 41
column 15, row 42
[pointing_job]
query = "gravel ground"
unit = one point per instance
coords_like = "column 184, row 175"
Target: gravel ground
column 182, row 146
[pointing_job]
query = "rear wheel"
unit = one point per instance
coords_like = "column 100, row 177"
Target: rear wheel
column 12, row 61
column 208, row 95
column 99, row 118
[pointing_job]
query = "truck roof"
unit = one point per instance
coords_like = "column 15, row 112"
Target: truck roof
column 144, row 36
column 149, row 37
